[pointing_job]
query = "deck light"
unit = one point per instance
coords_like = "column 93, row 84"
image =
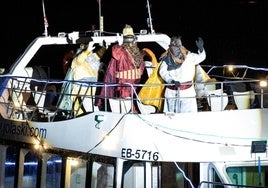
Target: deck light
column 230, row 68
column 263, row 83
column 74, row 162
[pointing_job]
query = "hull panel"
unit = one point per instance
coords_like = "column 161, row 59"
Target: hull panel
column 213, row 136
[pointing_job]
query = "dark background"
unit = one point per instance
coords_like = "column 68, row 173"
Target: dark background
column 234, row 31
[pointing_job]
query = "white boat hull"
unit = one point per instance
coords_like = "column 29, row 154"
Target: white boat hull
column 160, row 137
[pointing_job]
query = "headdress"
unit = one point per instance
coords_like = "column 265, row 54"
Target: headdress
column 128, row 34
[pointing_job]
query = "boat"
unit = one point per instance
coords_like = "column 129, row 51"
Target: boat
column 224, row 144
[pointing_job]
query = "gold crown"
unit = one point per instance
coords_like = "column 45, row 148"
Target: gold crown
column 128, row 31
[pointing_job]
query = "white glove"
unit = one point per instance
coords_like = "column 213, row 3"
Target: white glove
column 90, row 46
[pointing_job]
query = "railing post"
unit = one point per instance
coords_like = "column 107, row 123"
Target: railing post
column 261, row 97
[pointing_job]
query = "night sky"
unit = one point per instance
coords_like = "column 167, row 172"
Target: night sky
column 233, row 30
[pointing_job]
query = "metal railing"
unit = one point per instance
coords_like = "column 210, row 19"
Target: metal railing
column 24, row 97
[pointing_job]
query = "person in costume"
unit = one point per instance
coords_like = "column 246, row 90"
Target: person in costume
column 177, row 69
column 125, row 66
column 84, row 67
column 67, row 61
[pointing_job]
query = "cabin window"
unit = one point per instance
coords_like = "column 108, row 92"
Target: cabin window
column 54, row 166
column 248, row 175
column 133, row 174
column 10, row 166
column 30, row 170
column 102, row 175
column 51, row 58
column 213, row 178
column 78, row 173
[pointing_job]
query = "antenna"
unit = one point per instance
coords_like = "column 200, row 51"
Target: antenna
column 149, row 20
column 45, row 19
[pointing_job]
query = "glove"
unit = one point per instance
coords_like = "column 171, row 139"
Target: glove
column 176, row 83
column 200, row 44
column 104, row 44
column 90, row 46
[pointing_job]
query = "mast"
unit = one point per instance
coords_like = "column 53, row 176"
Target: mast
column 45, row 19
column 149, row 20
column 100, row 18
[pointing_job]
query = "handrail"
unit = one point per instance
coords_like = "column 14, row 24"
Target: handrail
column 226, row 184
column 77, row 92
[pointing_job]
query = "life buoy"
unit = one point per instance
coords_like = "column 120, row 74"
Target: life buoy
column 151, row 55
